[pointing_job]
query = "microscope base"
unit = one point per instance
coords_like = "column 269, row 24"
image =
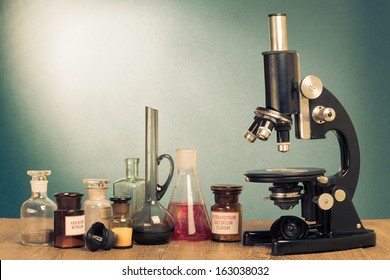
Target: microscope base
column 366, row 238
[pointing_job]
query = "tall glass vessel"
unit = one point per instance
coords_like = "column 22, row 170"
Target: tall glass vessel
column 153, row 224
column 131, row 185
column 187, row 205
column 96, row 207
column 37, row 213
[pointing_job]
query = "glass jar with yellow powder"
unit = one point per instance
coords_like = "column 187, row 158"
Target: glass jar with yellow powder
column 120, row 222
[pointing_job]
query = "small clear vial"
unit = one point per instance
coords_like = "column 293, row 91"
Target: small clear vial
column 37, row 213
column 97, row 208
column 226, row 214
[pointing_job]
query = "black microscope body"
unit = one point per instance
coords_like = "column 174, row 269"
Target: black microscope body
column 330, row 222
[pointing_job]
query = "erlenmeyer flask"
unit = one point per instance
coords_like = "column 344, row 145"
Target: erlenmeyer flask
column 187, row 205
column 153, row 224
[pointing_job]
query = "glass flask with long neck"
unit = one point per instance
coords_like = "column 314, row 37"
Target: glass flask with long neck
column 131, row 185
column 153, row 224
column 37, row 213
column 187, row 205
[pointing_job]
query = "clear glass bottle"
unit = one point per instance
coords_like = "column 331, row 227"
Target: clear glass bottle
column 187, row 205
column 37, row 213
column 226, row 213
column 69, row 221
column 121, row 223
column 97, row 208
column 131, row 185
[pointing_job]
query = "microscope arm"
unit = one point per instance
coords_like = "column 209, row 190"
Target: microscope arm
column 328, row 114
column 348, row 174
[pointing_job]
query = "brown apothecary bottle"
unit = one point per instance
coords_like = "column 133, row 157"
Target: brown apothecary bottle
column 69, row 221
column 226, row 214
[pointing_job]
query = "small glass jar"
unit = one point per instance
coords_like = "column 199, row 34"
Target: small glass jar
column 97, row 208
column 121, row 223
column 226, row 214
column 69, row 221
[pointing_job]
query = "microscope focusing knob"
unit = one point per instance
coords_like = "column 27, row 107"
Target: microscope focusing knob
column 340, row 195
column 323, row 180
column 324, row 201
column 322, row 114
column 311, row 87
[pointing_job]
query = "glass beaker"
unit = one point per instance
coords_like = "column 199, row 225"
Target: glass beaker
column 131, row 185
column 153, row 224
column 37, row 213
column 97, row 208
column 187, row 205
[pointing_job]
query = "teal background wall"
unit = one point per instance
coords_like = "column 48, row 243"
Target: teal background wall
column 75, row 77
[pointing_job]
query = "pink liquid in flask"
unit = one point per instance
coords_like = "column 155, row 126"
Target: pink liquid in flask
column 191, row 221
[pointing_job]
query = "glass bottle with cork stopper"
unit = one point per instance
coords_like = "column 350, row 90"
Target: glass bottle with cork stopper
column 37, row 213
column 97, row 208
column 69, row 221
column 226, row 214
column 121, row 223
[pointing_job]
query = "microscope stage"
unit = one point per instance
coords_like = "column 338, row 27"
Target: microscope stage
column 284, row 175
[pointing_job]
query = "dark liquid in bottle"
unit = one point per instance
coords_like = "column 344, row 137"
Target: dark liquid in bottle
column 154, row 235
column 191, row 222
column 152, row 238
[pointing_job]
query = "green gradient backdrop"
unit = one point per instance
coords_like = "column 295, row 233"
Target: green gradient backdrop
column 77, row 75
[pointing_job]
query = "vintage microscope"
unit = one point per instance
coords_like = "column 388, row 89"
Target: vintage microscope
column 330, row 220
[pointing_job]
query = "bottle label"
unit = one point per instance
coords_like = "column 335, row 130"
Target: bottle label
column 74, row 225
column 104, row 213
column 225, row 222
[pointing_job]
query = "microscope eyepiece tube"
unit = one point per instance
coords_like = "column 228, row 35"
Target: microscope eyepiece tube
column 278, row 32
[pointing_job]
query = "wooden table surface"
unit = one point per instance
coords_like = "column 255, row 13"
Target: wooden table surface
column 11, row 249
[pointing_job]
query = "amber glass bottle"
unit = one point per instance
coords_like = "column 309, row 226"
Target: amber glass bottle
column 226, row 214
column 69, row 221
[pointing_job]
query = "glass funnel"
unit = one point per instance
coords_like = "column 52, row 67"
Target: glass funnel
column 187, row 205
